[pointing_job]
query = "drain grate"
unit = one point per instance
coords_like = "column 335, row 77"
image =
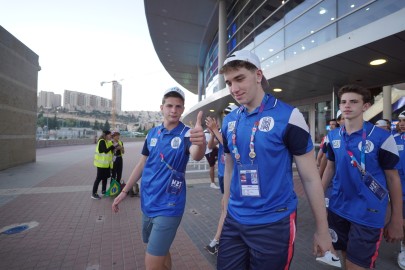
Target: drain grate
column 17, row 228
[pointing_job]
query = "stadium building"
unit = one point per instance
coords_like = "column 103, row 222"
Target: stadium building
column 308, row 49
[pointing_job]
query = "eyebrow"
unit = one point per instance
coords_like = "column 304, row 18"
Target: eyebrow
column 350, row 100
column 238, row 77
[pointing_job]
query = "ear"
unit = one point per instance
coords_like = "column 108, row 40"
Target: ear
column 161, row 107
column 366, row 106
column 259, row 76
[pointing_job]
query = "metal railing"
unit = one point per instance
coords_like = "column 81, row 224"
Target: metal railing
column 198, row 166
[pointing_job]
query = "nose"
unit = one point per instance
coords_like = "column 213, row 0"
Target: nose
column 234, row 88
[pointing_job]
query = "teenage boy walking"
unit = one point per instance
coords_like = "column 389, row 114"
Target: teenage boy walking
column 261, row 138
column 162, row 166
column 361, row 160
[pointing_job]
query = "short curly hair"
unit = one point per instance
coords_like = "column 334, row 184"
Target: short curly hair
column 237, row 64
column 353, row 88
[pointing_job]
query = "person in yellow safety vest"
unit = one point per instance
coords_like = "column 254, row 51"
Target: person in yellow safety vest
column 103, row 161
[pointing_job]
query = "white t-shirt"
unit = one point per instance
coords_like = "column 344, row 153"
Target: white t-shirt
column 207, row 138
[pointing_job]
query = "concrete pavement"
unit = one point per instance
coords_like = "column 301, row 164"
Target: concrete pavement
column 76, row 232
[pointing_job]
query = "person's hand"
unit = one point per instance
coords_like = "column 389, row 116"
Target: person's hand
column 197, row 136
column 211, row 124
column 393, row 232
column 117, row 201
column 323, row 243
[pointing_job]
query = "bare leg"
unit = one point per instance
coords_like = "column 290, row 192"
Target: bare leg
column 158, row 262
column 220, row 225
column 348, row 264
column 352, row 266
column 168, row 261
column 212, row 174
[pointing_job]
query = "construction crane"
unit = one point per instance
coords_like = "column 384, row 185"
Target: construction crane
column 113, row 100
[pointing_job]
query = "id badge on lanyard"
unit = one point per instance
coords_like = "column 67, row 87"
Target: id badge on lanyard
column 176, row 183
column 177, row 179
column 374, row 186
column 249, row 180
column 248, row 174
column 379, row 191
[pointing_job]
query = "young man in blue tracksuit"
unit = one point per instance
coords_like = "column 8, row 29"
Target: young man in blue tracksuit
column 261, row 138
column 162, row 167
column 361, row 161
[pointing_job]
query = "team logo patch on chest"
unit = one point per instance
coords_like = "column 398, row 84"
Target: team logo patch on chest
column 400, row 147
column 369, row 146
column 266, row 124
column 336, row 143
column 231, row 126
column 153, row 142
column 175, row 143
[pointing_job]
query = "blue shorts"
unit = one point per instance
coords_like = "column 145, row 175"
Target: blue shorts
column 360, row 242
column 159, row 232
column 256, row 246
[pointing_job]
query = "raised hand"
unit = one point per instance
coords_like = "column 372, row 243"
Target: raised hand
column 211, row 124
column 197, row 136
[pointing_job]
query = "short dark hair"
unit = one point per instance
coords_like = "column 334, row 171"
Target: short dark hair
column 237, row 64
column 172, row 94
column 334, row 120
column 353, row 88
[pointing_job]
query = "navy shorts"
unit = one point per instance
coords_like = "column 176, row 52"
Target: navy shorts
column 159, row 232
column 257, row 246
column 212, row 157
column 360, row 242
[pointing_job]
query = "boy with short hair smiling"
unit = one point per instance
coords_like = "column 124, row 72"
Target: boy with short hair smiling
column 361, row 160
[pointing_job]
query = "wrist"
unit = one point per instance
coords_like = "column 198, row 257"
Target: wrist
column 124, row 191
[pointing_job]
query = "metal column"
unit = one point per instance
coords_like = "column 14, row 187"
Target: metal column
column 222, row 51
column 387, row 102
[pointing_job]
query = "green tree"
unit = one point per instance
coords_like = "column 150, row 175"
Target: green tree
column 96, row 125
column 54, row 124
column 106, row 125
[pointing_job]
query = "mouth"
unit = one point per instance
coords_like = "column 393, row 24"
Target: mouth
column 238, row 97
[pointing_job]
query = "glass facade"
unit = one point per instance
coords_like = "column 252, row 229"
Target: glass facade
column 211, row 68
column 277, row 32
column 323, row 113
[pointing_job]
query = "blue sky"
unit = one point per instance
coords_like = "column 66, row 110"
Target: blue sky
column 83, row 42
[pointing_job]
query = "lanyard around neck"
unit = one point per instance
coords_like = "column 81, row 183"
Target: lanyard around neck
column 354, row 162
column 162, row 157
column 252, row 153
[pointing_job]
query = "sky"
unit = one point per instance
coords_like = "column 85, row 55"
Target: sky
column 81, row 43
